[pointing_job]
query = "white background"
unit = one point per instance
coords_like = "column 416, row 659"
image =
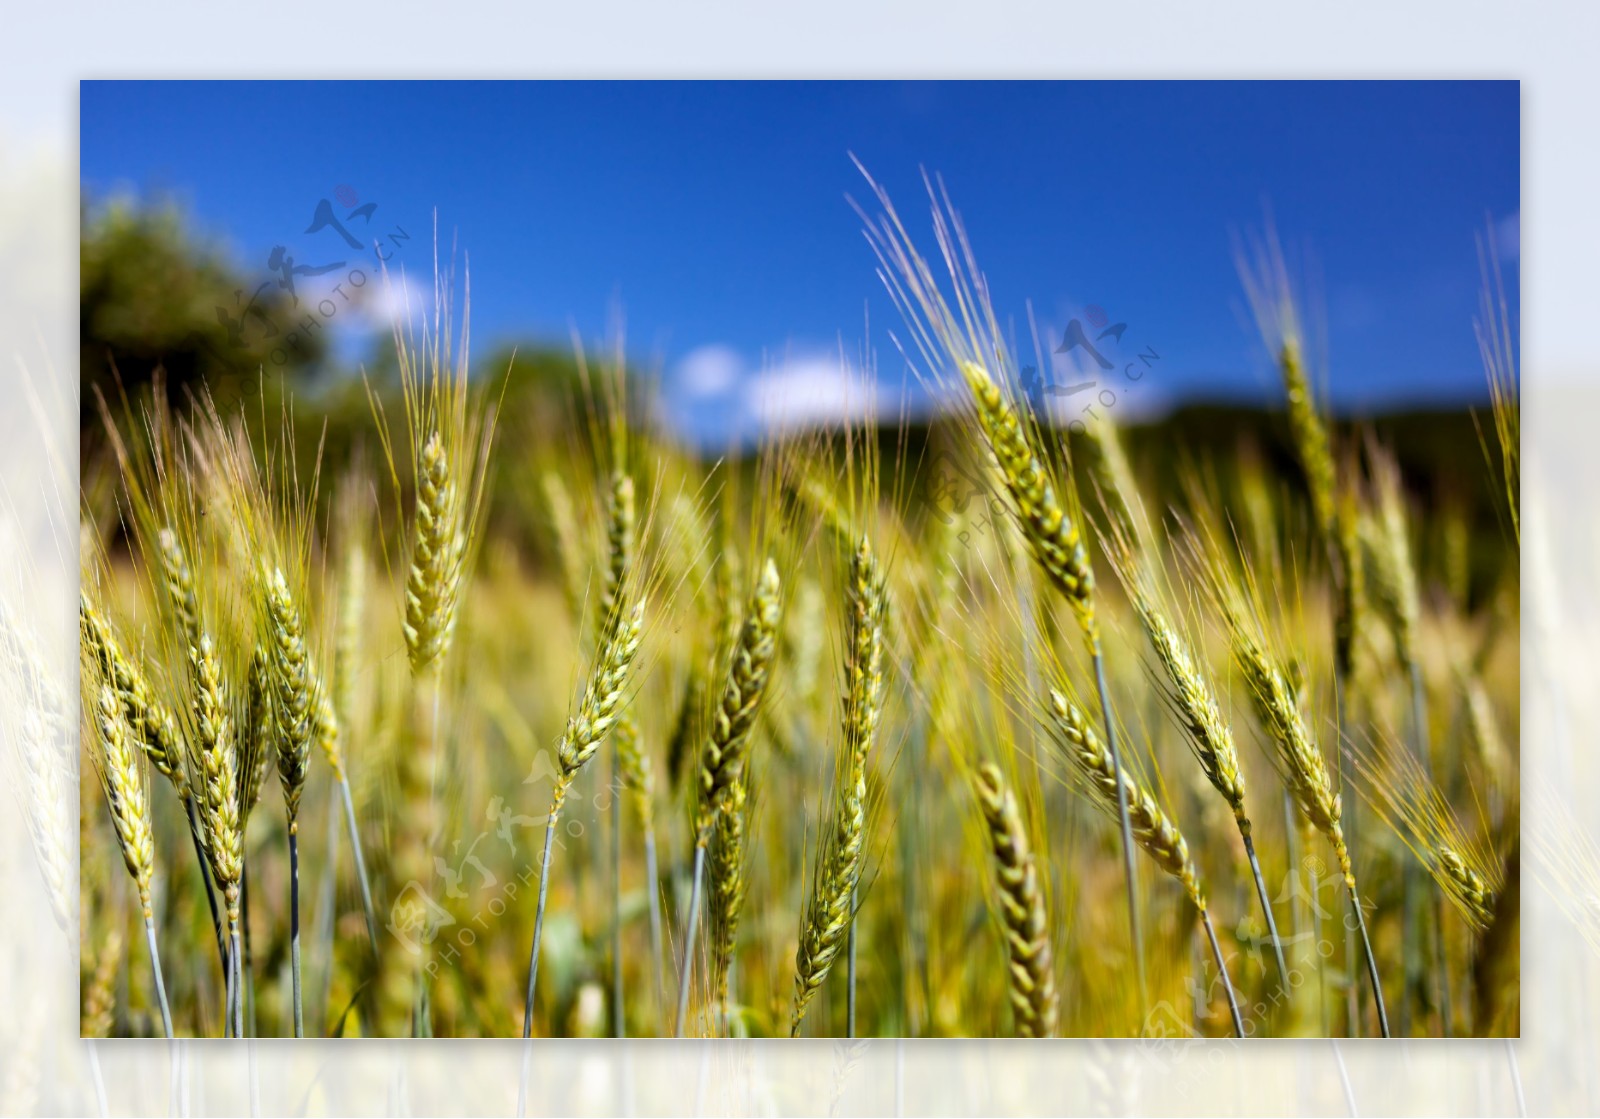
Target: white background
column 45, row 50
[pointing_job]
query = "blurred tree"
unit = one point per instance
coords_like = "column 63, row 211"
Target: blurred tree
column 153, row 295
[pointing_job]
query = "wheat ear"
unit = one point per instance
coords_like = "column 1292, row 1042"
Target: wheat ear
column 728, row 882
column 727, row 741
column 118, row 764
column 100, row 993
column 1304, row 771
column 1309, row 434
column 1020, row 901
column 1209, row 736
column 1152, row 829
column 830, row 907
column 295, row 711
column 596, row 713
column 621, row 530
column 217, row 790
column 155, row 730
column 433, row 582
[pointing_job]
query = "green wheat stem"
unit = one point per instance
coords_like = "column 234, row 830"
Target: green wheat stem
column 1129, row 873
column 684, row 975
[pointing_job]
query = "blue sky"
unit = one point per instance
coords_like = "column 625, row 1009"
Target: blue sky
column 715, row 216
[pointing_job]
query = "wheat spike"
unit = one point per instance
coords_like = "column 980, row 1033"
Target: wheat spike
column 1351, row 617
column 118, row 764
column 1152, row 830
column 100, row 993
column 256, row 737
column 1021, row 905
column 153, row 725
column 433, row 581
column 620, row 532
column 1466, row 887
column 178, row 580
column 726, row 859
column 1394, row 575
column 348, row 632
column 638, row 775
column 749, row 668
column 1208, row 732
column 294, row 702
column 1050, row 532
column 830, row 907
column 216, row 778
column 1309, row 434
column 602, row 697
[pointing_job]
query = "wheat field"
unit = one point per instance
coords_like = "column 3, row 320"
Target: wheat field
column 994, row 725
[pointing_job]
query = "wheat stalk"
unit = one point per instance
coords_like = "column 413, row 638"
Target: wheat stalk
column 215, row 761
column 830, row 907
column 295, row 711
column 722, row 756
column 596, row 713
column 1300, row 762
column 117, row 762
column 1209, row 736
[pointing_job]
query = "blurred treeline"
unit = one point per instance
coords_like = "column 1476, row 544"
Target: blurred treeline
column 161, row 300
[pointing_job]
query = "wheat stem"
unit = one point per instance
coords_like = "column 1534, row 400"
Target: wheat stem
column 155, row 972
column 653, row 883
column 1266, row 907
column 1130, row 875
column 294, row 926
column 684, row 975
column 538, row 920
column 1222, row 967
column 361, row 862
column 618, row 1026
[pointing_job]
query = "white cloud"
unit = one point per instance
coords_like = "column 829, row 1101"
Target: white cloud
column 808, row 392
column 715, row 394
column 709, row 371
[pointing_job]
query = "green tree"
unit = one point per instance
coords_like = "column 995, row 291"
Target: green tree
column 153, row 295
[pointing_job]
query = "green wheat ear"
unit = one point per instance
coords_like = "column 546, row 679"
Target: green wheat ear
column 830, row 906
column 152, row 723
column 216, row 776
column 1050, row 533
column 433, row 582
column 1310, row 436
column 294, row 704
column 601, row 704
column 749, row 669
